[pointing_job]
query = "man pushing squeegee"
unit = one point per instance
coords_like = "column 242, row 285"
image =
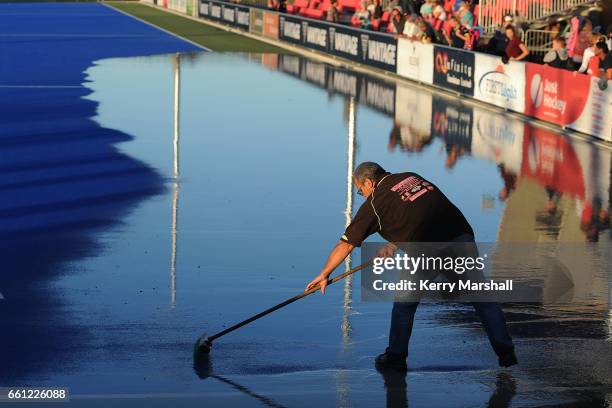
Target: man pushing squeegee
column 402, row 207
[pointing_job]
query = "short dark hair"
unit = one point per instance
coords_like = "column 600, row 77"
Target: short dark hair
column 368, row 171
column 602, row 46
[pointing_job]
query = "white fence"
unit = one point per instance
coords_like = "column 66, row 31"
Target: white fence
column 491, row 12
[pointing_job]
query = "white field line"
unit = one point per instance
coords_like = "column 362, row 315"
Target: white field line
column 156, row 27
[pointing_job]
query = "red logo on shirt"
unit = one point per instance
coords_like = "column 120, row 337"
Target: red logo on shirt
column 412, row 188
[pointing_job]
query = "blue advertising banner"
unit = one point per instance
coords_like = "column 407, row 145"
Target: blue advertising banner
column 243, row 17
column 379, row 50
column 204, row 9
column 344, row 42
column 290, row 29
column 315, row 35
column 454, row 69
column 370, row 48
column 377, row 94
column 215, row 11
column 365, row 47
column 227, row 13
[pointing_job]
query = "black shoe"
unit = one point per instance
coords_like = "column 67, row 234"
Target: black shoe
column 394, row 361
column 508, row 359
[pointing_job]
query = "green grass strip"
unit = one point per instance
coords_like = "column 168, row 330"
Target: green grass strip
column 208, row 36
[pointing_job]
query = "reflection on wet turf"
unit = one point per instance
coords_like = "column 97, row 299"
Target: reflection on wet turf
column 277, row 172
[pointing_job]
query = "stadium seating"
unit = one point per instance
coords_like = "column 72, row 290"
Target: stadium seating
column 297, row 6
column 349, row 6
column 317, row 9
column 314, row 12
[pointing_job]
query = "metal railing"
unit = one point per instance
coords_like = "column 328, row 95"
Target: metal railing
column 539, row 42
column 491, row 12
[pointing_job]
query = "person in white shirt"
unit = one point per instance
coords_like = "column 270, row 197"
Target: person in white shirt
column 588, row 53
column 411, row 29
column 438, row 11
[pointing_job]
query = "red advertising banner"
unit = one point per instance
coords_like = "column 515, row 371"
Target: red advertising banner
column 555, row 95
column 551, row 160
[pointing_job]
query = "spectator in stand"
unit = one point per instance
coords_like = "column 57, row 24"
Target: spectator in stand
column 411, row 6
column 411, row 28
column 498, row 43
column 557, row 57
column 362, row 16
column 456, row 4
column 467, row 36
column 429, row 35
column 426, row 9
column 466, row 18
column 280, row 5
column 375, row 9
column 397, row 21
column 609, row 40
column 448, row 6
column 454, row 36
column 604, row 58
column 516, row 49
column 579, row 40
column 586, row 65
column 438, row 15
column 333, row 15
column 554, row 27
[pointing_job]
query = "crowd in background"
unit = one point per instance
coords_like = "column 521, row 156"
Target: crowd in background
column 586, row 49
column 583, row 47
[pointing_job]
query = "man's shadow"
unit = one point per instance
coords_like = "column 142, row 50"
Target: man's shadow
column 396, row 389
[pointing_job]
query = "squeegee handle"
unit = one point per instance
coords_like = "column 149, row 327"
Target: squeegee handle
column 287, row 302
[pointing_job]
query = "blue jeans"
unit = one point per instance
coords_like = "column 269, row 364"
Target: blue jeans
column 490, row 314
